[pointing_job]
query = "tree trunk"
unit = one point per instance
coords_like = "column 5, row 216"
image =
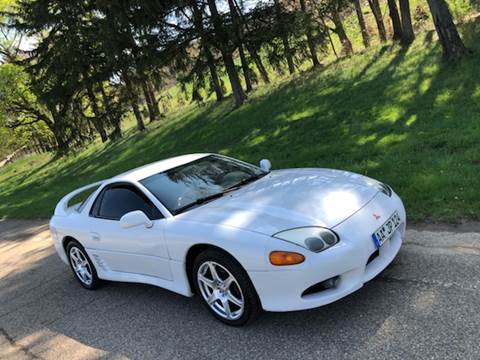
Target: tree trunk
column 239, row 41
column 62, row 146
column 198, row 21
column 395, row 17
column 361, row 22
column 237, row 90
column 38, row 145
column 308, row 32
column 258, row 62
column 133, row 98
column 245, row 68
column 97, row 122
column 138, row 115
column 327, row 30
column 407, row 29
column 58, row 131
column 153, row 97
column 377, row 13
column 148, row 100
column 284, row 36
column 251, row 50
column 217, row 86
column 43, row 146
column 450, row 40
column 117, row 131
column 288, row 54
column 342, row 35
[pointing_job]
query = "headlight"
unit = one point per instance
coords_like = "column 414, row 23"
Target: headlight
column 313, row 238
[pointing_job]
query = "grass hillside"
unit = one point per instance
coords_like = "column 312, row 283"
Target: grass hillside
column 401, row 116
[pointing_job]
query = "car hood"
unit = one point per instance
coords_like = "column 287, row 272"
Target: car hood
column 285, row 199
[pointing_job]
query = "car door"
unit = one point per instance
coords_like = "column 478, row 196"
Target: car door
column 136, row 250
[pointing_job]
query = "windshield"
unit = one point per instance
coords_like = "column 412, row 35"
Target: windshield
column 193, row 183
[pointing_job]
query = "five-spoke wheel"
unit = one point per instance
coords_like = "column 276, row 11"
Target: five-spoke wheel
column 225, row 287
column 220, row 290
column 81, row 265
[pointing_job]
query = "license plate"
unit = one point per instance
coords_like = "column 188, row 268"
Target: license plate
column 385, row 231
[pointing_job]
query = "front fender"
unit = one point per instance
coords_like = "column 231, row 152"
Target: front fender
column 248, row 248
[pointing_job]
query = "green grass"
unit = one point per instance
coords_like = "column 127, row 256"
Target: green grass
column 403, row 117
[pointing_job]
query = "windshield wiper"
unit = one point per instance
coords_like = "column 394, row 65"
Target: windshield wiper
column 245, row 181
column 199, row 201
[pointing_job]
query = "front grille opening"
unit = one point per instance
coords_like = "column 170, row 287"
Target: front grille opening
column 373, row 256
column 321, row 286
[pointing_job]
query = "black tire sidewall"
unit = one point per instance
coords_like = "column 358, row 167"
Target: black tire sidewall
column 252, row 303
column 95, row 280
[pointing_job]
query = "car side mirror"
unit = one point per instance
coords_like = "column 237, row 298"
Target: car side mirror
column 265, row 165
column 135, row 218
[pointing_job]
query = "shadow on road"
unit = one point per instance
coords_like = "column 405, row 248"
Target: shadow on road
column 45, row 313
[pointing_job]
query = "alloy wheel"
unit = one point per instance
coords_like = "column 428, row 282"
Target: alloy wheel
column 220, row 290
column 81, row 266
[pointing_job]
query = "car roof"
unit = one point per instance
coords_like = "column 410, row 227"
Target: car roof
column 145, row 171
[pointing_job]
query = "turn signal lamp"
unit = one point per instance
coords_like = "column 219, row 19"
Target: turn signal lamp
column 281, row 258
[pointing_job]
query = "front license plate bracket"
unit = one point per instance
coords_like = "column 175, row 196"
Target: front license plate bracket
column 386, row 231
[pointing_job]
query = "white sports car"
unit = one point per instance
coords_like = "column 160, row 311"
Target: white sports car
column 242, row 237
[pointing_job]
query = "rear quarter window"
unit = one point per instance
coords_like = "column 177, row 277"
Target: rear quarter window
column 79, row 201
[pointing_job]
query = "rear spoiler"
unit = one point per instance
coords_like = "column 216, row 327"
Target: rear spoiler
column 62, row 207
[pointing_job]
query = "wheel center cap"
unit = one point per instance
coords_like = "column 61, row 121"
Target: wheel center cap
column 220, row 290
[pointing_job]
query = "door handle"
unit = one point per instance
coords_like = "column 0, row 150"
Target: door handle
column 95, row 236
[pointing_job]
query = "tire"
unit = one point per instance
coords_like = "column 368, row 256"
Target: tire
column 81, row 265
column 237, row 295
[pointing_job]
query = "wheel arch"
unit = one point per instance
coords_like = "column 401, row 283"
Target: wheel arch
column 65, row 241
column 190, row 257
column 196, row 250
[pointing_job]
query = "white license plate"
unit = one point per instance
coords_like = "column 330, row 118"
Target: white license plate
column 385, row 231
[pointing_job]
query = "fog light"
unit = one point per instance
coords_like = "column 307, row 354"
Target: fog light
column 322, row 286
column 330, row 283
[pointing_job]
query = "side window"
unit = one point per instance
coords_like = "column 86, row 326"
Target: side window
column 119, row 200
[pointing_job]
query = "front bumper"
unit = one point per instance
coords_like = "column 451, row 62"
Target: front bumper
column 351, row 260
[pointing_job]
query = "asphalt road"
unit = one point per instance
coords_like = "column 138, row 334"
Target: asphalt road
column 426, row 305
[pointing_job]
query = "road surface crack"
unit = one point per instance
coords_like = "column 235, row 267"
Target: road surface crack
column 14, row 344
